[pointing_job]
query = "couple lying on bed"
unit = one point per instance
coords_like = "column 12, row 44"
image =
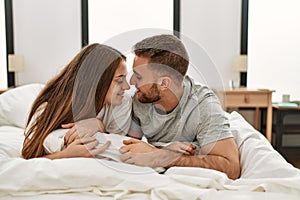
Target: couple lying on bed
column 183, row 122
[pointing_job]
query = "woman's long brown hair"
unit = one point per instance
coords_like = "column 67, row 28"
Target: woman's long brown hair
column 77, row 92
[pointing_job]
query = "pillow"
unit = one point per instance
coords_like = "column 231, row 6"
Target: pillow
column 11, row 141
column 15, row 104
column 257, row 156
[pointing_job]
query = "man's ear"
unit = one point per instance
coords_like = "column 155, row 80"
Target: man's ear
column 165, row 82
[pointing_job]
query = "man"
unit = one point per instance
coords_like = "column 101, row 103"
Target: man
column 183, row 122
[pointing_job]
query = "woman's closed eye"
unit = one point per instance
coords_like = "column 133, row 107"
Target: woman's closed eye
column 120, row 81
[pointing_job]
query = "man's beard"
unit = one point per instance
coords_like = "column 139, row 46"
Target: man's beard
column 151, row 96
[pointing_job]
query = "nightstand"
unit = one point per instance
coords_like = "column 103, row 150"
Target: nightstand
column 247, row 98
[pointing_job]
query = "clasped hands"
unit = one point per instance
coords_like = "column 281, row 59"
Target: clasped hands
column 79, row 140
column 140, row 153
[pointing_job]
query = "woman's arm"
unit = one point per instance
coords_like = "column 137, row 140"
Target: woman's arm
column 84, row 147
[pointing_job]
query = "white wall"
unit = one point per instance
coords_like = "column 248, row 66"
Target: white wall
column 137, row 22
column 48, row 34
column 274, row 47
column 107, row 19
column 216, row 26
column 3, row 73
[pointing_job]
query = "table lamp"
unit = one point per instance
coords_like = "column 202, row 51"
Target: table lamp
column 240, row 64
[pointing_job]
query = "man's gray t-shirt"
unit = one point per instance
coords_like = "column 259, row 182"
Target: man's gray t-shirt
column 198, row 118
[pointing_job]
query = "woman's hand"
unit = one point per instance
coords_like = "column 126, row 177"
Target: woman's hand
column 82, row 129
column 83, row 147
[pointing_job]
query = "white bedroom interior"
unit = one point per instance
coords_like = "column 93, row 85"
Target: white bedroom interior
column 244, row 49
column 48, row 33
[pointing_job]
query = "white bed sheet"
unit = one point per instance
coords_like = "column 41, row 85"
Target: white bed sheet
column 265, row 174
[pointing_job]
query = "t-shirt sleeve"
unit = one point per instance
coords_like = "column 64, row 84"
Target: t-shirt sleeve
column 213, row 125
column 54, row 142
column 135, row 126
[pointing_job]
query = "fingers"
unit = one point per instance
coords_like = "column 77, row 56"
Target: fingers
column 69, row 125
column 124, row 149
column 91, row 144
column 83, row 128
column 100, row 150
column 187, row 149
column 85, row 141
column 182, row 147
column 183, row 152
column 131, row 141
column 68, row 135
column 106, row 158
column 71, row 135
column 191, row 149
column 126, row 158
column 135, row 159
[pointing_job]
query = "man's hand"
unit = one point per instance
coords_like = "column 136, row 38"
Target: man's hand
column 158, row 158
column 181, row 147
column 83, row 128
column 136, row 146
column 141, row 153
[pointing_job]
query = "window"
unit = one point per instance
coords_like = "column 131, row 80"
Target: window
column 110, row 18
column 273, row 47
column 3, row 56
column 122, row 23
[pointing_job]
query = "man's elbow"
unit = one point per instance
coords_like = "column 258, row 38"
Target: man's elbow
column 234, row 171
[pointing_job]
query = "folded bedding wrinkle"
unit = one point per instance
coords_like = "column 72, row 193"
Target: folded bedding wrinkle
column 116, row 142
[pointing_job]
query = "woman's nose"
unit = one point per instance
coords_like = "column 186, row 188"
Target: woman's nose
column 126, row 86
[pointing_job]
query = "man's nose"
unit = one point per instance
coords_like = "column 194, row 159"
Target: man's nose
column 132, row 80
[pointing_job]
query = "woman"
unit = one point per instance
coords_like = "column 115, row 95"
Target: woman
column 92, row 83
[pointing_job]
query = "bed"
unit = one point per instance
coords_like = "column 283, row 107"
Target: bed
column 265, row 173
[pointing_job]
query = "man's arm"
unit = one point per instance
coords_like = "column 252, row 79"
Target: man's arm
column 222, row 155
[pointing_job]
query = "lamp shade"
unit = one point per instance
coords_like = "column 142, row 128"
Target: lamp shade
column 15, row 63
column 240, row 63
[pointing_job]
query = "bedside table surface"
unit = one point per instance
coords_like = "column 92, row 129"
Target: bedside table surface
column 251, row 98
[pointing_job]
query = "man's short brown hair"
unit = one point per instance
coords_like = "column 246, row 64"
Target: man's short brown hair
column 165, row 50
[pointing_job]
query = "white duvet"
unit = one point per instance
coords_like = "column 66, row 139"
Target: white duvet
column 265, row 174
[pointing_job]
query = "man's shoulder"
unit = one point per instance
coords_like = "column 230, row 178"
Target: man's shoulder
column 198, row 91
